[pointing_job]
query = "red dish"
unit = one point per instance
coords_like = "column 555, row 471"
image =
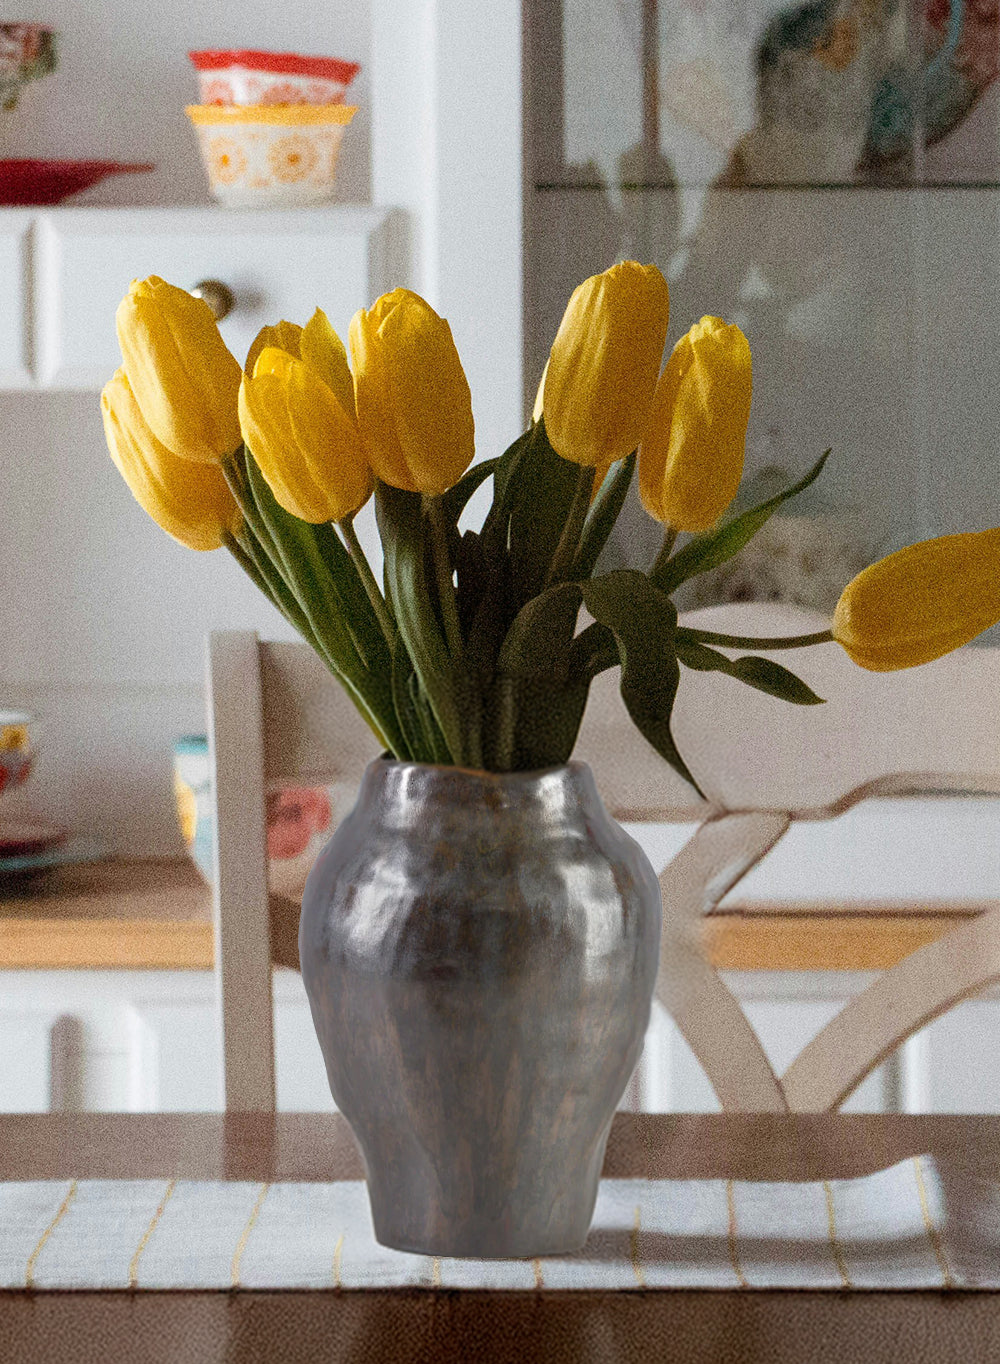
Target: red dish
column 49, row 182
column 287, row 63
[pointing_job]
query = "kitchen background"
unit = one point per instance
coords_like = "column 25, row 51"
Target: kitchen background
column 864, row 272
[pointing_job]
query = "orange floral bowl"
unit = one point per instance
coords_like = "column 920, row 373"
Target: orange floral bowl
column 271, row 155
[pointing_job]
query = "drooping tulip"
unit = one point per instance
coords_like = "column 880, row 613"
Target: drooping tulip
column 604, row 362
column 921, row 602
column 413, row 401
column 305, row 445
column 189, row 501
column 691, row 458
column 183, row 377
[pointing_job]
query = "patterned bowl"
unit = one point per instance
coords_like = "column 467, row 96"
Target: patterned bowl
column 299, row 819
column 271, row 155
column 249, row 77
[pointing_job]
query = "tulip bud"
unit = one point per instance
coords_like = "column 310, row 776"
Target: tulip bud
column 602, row 369
column 183, row 377
column 413, row 400
column 190, row 501
column 921, row 602
column 306, row 446
column 691, row 458
column 284, row 336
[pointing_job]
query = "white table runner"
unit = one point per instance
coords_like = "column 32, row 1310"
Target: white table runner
column 911, row 1226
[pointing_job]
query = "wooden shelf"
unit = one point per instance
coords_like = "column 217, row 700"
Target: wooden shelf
column 156, row 915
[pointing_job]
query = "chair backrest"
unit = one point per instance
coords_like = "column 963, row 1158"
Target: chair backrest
column 276, row 715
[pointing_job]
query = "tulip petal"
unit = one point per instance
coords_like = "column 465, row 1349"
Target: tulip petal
column 921, row 602
column 183, row 377
column 691, row 458
column 190, row 501
column 432, row 403
column 323, row 350
column 304, row 443
column 374, row 405
column 284, row 336
column 604, row 363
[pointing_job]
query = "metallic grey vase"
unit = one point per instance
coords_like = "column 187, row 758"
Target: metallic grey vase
column 479, row 951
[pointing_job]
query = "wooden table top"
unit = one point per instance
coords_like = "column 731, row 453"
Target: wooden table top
column 156, row 915
column 426, row 1326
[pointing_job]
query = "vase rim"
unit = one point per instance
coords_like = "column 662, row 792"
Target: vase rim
column 386, row 760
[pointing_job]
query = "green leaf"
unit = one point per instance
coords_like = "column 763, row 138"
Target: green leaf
column 544, row 493
column 292, row 547
column 761, row 673
column 594, row 650
column 494, row 532
column 433, row 740
column 455, row 499
column 492, row 617
column 401, row 527
column 643, row 621
column 601, row 518
column 471, row 577
column 538, row 641
column 713, row 548
column 409, row 723
column 548, row 719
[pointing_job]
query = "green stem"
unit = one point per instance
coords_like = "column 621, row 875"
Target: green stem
column 747, row 642
column 468, row 704
column 562, row 560
column 367, row 577
column 669, row 539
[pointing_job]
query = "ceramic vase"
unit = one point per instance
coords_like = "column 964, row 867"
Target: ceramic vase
column 480, row 950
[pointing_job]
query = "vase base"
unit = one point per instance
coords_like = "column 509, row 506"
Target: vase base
column 451, row 1249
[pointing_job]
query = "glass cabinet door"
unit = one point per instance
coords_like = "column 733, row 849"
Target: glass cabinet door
column 826, row 175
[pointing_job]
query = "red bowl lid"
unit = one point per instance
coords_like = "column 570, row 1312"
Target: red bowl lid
column 285, row 63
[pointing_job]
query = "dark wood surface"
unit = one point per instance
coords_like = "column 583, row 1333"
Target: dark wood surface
column 427, row 1326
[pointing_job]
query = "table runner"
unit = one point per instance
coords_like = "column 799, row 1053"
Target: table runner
column 914, row 1225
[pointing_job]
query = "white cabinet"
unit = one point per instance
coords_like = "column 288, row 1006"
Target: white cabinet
column 15, row 313
column 148, row 1041
column 63, row 272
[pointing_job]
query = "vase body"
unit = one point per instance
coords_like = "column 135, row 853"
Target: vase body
column 479, row 951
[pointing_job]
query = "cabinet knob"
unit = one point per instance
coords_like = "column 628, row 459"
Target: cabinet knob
column 219, row 297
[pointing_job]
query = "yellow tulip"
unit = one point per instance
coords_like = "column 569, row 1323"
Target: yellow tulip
column 305, row 444
column 183, row 377
column 413, row 400
column 691, row 457
column 921, row 602
column 284, row 336
column 189, row 501
column 602, row 369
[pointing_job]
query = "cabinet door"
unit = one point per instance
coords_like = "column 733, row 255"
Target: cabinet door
column 25, row 1060
column 15, row 312
column 277, row 264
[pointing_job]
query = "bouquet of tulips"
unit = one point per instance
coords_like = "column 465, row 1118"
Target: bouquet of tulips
column 469, row 653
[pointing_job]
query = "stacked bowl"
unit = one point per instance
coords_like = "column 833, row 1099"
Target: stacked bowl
column 270, row 125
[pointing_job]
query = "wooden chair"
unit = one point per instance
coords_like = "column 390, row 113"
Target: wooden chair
column 276, row 715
